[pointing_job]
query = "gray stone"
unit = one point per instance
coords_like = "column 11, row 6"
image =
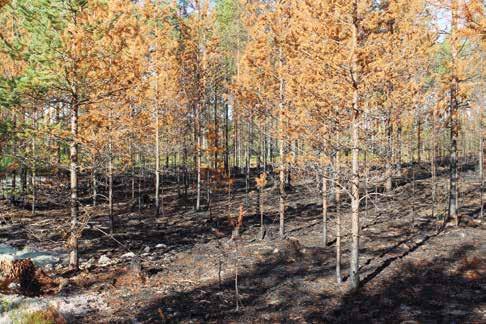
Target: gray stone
column 134, row 222
column 104, row 260
column 13, row 286
column 128, row 255
column 48, row 267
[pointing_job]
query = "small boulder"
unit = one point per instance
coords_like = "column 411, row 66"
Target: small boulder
column 88, row 264
column 128, row 255
column 134, row 222
column 104, row 260
column 14, row 286
column 49, row 267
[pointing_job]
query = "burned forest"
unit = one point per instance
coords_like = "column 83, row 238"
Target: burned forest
column 242, row 161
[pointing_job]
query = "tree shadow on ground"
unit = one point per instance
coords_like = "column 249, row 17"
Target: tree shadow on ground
column 420, row 290
column 272, row 285
column 294, row 286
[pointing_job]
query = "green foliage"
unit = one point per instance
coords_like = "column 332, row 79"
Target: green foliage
column 231, row 30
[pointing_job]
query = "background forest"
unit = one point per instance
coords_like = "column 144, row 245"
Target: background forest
column 246, row 120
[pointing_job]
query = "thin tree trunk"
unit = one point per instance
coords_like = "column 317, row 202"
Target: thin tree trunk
column 454, row 124
column 226, row 138
column 481, row 175
column 433, row 162
column 216, row 129
column 419, row 138
column 399, row 147
column 94, row 184
column 260, row 209
column 58, row 147
column 34, row 168
column 354, row 270
column 365, row 167
column 236, row 161
column 247, row 163
column 140, row 180
column 388, row 162
column 281, row 150
column 132, row 171
column 73, row 156
column 14, row 151
column 198, row 158
column 324, row 206
column 481, row 161
column 337, row 190
column 157, row 161
column 413, row 182
column 110, row 184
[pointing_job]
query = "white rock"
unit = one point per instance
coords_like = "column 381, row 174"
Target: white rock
column 147, row 249
column 133, row 222
column 13, row 286
column 48, row 267
column 128, row 255
column 104, row 260
column 88, row 264
column 161, row 246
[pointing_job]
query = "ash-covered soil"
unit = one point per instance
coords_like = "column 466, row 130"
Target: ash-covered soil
column 181, row 266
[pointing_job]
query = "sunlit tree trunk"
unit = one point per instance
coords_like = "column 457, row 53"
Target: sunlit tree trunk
column 388, row 162
column 481, row 161
column 157, row 161
column 94, row 183
column 281, row 144
column 226, row 138
column 110, row 182
column 198, row 157
column 433, row 160
column 419, row 137
column 453, row 116
column 34, row 166
column 337, row 191
column 216, row 129
column 14, row 153
column 132, row 171
column 73, row 156
column 399, row 147
column 324, row 206
column 354, row 270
